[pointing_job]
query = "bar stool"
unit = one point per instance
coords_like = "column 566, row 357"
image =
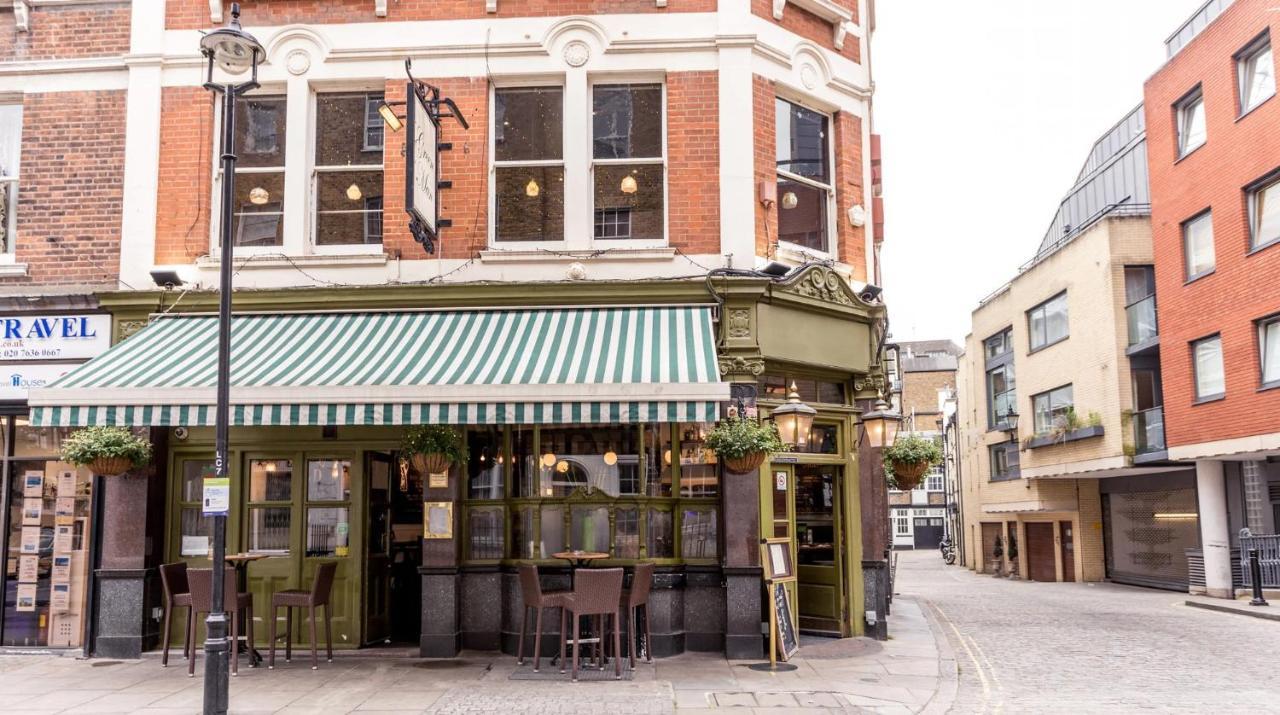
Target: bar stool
column 177, row 594
column 596, row 592
column 634, row 598
column 321, row 589
column 534, row 597
column 201, row 582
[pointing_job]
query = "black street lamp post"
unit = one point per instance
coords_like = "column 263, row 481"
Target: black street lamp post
column 235, row 52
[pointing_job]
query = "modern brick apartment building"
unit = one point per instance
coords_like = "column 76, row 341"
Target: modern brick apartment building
column 630, row 169
column 1214, row 161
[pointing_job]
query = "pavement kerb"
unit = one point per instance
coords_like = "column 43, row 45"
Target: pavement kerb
column 948, row 670
column 1271, row 616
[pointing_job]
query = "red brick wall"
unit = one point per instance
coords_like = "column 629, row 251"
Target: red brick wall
column 693, row 165
column 766, row 162
column 186, row 174
column 191, row 14
column 811, row 27
column 70, row 195
column 853, row 240
column 66, row 32
column 1243, row 287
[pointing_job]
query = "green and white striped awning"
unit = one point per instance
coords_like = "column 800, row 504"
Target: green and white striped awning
column 547, row 365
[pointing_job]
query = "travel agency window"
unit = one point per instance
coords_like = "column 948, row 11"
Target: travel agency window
column 47, row 539
column 10, row 152
column 632, row 491
column 805, row 186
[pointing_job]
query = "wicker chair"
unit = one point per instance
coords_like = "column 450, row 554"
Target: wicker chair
column 632, row 599
column 321, row 589
column 201, row 582
column 596, row 592
column 177, row 594
column 535, row 598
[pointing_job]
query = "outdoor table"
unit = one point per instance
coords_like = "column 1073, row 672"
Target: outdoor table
column 240, row 562
column 580, row 559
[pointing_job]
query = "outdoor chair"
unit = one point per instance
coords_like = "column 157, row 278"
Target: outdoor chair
column 318, row 596
column 596, row 592
column 633, row 599
column 536, row 598
column 177, row 594
column 201, row 582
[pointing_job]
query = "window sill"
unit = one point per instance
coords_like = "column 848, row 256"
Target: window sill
column 794, row 253
column 13, row 270
column 1254, row 108
column 1269, row 386
column 1072, row 436
column 1189, row 152
column 1198, row 276
column 547, row 256
column 279, row 260
column 1046, row 346
column 1263, row 247
column 1211, row 398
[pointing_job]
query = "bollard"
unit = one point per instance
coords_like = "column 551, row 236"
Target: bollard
column 1255, row 574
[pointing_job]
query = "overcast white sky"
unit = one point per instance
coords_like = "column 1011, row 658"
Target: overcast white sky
column 987, row 110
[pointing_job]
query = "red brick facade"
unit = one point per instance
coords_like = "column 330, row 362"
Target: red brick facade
column 193, row 14
column 811, row 27
column 693, row 165
column 71, row 191
column 186, row 174
column 1243, row 287
column 66, row 32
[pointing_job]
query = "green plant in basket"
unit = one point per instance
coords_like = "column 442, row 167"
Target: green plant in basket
column 432, row 448
column 909, row 458
column 744, row 443
column 106, row 450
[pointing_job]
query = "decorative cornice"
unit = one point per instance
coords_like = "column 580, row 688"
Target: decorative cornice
column 741, row 365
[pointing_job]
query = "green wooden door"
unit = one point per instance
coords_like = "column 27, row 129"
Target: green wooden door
column 819, row 549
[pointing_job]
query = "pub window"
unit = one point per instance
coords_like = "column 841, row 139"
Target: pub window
column 485, row 533
column 528, row 163
column 699, row 468
column 10, row 151
column 258, row 203
column 698, row 533
column 270, row 508
column 805, row 188
column 628, row 166
column 194, row 527
column 328, row 507
column 485, row 460
column 777, row 386
column 348, row 171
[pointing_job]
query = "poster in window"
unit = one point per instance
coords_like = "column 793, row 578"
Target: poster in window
column 64, row 510
column 63, row 538
column 33, row 484
column 66, row 483
column 61, row 569
column 28, row 569
column 30, row 543
column 26, row 597
column 32, row 509
column 60, row 597
column 437, row 520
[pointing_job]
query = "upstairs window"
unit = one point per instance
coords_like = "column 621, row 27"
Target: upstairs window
column 1256, row 72
column 258, row 207
column 1051, row 408
column 1047, row 322
column 10, row 150
column 805, row 187
column 528, row 158
column 1211, row 381
column 1269, row 347
column 1264, row 212
column 1140, row 303
column 1197, row 245
column 998, row 344
column 628, row 165
column 1191, row 127
column 348, row 171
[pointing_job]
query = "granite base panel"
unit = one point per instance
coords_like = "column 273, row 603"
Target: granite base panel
column 744, row 647
column 120, row 614
column 440, row 646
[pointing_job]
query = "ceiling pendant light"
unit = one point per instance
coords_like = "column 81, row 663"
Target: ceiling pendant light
column 531, row 189
column 259, row 196
column 610, row 458
column 629, row 184
column 790, row 200
column 353, row 192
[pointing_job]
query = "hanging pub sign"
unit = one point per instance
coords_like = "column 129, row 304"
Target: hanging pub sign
column 422, row 158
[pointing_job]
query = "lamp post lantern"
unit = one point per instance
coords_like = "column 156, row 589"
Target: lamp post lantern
column 793, row 419
column 235, row 52
column 881, row 425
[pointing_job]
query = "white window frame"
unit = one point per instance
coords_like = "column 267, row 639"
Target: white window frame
column 9, row 184
column 902, row 526
column 1246, row 69
column 313, row 203
column 934, row 483
column 615, row 79
column 1187, row 272
column 832, row 237
column 286, row 219
column 1195, row 368
column 1253, row 193
column 1264, row 326
column 564, row 83
column 373, row 121
column 1183, row 111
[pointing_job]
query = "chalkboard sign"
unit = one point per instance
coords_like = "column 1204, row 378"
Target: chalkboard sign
column 787, row 643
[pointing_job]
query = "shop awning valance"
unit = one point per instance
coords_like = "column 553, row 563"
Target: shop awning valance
column 492, row 366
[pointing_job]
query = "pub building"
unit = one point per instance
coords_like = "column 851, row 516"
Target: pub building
column 584, row 408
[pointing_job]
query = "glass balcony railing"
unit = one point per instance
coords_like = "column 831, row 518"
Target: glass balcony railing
column 1142, row 320
column 1148, row 430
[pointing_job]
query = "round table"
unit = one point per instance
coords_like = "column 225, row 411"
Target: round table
column 240, row 562
column 579, row 559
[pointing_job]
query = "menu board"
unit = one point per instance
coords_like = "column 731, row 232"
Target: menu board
column 788, row 644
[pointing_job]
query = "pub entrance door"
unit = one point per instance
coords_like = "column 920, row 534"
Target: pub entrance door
column 393, row 552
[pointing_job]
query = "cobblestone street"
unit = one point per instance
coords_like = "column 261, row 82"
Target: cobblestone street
column 1078, row 648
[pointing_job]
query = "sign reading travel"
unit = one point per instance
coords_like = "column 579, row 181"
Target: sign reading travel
column 53, row 337
column 422, row 169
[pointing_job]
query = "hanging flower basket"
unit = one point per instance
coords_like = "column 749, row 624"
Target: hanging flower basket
column 745, row 464
column 909, row 475
column 110, row 466
column 107, row 451
column 432, row 463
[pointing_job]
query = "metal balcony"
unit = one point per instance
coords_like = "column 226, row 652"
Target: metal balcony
column 1148, row 431
column 1142, row 321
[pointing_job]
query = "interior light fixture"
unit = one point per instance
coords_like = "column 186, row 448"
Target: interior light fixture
column 531, row 189
column 389, row 117
column 562, row 466
column 629, row 184
column 1176, row 515
column 611, row 458
column 666, row 456
column 790, row 200
column 353, row 192
column 548, row 460
column 259, row 196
